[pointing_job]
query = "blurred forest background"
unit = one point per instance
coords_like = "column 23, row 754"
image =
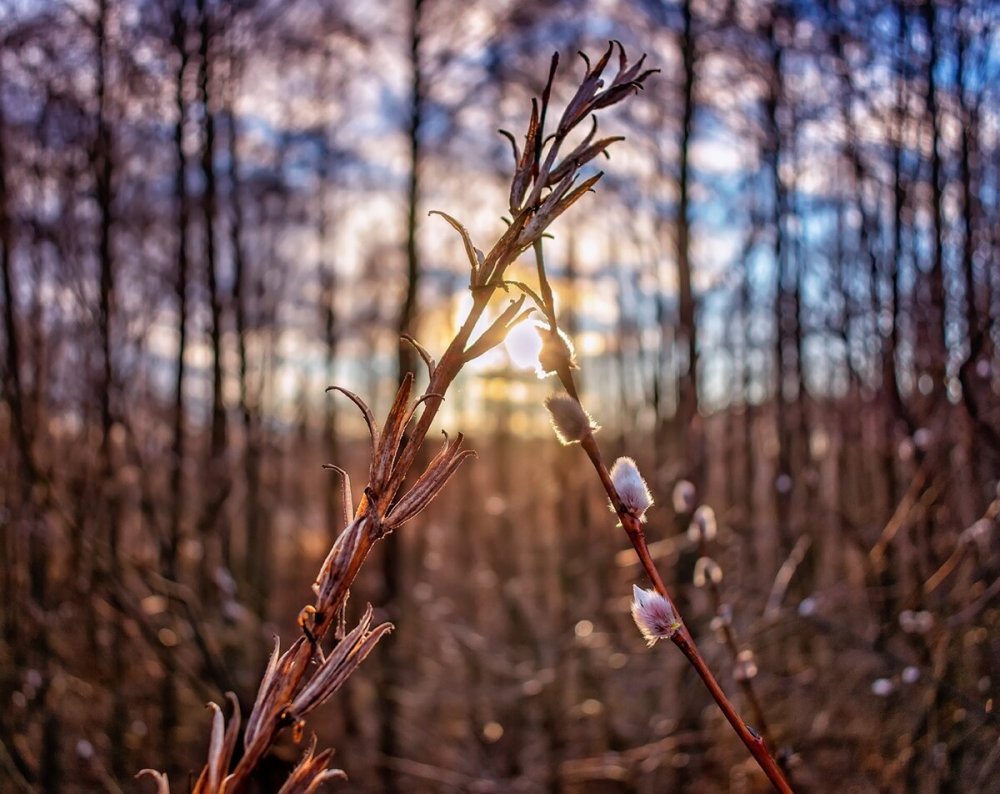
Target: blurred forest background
column 785, row 292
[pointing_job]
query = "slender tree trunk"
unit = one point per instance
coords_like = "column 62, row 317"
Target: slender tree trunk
column 255, row 572
column 217, row 481
column 24, row 527
column 969, row 125
column 773, row 102
column 392, row 562
column 690, row 425
column 103, row 186
column 13, row 390
column 327, row 267
column 418, row 95
column 893, row 268
column 168, row 692
column 939, row 344
column 14, row 395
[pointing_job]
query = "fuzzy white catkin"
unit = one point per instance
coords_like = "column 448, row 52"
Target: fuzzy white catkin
column 631, row 487
column 654, row 615
column 684, row 496
column 706, row 570
column 703, row 525
column 569, row 419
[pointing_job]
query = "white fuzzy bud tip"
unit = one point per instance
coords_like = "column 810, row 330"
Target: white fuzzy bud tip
column 654, row 615
column 632, row 489
column 557, row 353
column 706, row 570
column 684, row 496
column 745, row 668
column 569, row 419
column 703, row 525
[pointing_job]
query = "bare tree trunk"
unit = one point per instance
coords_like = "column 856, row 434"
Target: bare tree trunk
column 255, row 564
column 939, row 344
column 773, row 102
column 217, row 483
column 689, row 422
column 392, row 562
column 893, row 268
column 418, row 95
column 168, row 693
column 101, row 164
column 969, row 125
column 24, row 527
column 14, row 395
column 327, row 267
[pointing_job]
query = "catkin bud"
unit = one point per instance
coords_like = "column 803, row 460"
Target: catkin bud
column 684, row 496
column 632, row 489
column 910, row 674
column 654, row 615
column 913, row 622
column 745, row 667
column 557, row 353
column 706, row 570
column 703, row 525
column 569, row 419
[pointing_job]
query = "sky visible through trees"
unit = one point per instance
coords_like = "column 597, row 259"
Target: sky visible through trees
column 785, row 291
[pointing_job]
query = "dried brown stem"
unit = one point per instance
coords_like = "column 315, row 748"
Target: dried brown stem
column 729, row 640
column 293, row 685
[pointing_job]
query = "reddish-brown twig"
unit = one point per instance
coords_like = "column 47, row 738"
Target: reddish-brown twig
column 576, row 426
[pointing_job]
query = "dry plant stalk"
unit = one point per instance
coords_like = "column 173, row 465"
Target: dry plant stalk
column 654, row 612
column 545, row 183
column 708, row 574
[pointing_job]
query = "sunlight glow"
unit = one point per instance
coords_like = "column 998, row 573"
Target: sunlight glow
column 523, row 346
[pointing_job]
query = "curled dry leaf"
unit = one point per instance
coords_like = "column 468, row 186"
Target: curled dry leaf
column 366, row 412
column 470, row 250
column 422, row 352
column 160, row 778
column 311, row 772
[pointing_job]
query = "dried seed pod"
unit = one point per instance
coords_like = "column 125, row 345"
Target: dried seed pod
column 427, row 486
column 335, row 669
